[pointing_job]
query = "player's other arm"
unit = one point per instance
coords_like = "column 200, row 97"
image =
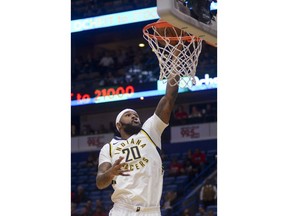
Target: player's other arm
column 166, row 104
column 107, row 171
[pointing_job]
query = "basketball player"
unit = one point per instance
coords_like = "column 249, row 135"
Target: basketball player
column 132, row 163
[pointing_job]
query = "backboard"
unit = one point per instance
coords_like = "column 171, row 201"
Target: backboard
column 178, row 13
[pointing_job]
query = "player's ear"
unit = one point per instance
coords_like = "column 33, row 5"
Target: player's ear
column 118, row 125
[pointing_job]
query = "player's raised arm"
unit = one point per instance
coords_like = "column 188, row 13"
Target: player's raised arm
column 166, row 104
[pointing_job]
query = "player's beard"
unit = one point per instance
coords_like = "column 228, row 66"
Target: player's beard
column 131, row 129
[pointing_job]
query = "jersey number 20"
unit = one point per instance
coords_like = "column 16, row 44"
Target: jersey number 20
column 131, row 153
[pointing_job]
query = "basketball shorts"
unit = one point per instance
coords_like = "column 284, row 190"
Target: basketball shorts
column 123, row 209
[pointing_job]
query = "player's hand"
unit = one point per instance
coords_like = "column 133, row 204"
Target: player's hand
column 118, row 168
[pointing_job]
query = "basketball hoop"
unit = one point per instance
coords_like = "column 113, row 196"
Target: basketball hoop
column 177, row 51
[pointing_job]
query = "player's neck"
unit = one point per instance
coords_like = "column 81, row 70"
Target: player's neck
column 125, row 136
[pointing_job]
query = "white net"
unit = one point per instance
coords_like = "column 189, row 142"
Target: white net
column 177, row 52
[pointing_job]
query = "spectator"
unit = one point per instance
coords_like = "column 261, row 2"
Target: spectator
column 73, row 130
column 87, row 130
column 198, row 159
column 169, row 201
column 110, row 80
column 209, row 113
column 176, row 168
column 100, row 212
column 99, row 204
column 87, row 209
column 121, row 58
column 106, row 62
column 100, row 209
column 92, row 160
column 80, row 195
column 103, row 129
column 187, row 212
column 194, row 114
column 74, row 210
column 180, row 113
column 203, row 212
column 208, row 194
column 189, row 170
column 210, row 213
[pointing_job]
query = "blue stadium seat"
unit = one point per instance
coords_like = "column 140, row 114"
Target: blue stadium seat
column 212, row 207
column 81, row 173
column 172, row 187
column 81, row 164
column 92, row 187
column 83, row 170
column 106, row 194
column 81, row 179
column 92, row 178
column 74, row 180
column 85, row 186
column 168, row 180
column 74, row 172
column 95, row 193
column 175, row 155
column 92, row 170
column 81, row 205
column 166, row 164
column 164, row 212
column 74, row 165
column 180, row 180
column 73, row 187
column 95, row 197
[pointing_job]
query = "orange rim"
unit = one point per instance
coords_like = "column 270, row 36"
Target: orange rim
column 163, row 24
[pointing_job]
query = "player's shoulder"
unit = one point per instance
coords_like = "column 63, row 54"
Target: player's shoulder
column 115, row 140
column 153, row 121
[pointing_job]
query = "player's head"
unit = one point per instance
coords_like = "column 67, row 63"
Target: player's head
column 128, row 120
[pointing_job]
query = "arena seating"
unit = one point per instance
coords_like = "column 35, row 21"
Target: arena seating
column 81, row 175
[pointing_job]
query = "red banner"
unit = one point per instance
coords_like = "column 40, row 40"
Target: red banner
column 195, row 132
column 90, row 143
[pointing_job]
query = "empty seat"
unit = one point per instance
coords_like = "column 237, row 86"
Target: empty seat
column 74, row 180
column 181, row 179
column 81, row 179
column 81, row 164
column 172, row 187
column 83, row 170
column 92, row 187
column 95, row 193
column 81, row 173
column 164, row 212
column 91, row 178
column 107, row 194
column 73, row 187
column 74, row 165
column 168, row 180
column 166, row 164
column 175, row 155
column 85, row 186
column 212, row 207
column 95, row 197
